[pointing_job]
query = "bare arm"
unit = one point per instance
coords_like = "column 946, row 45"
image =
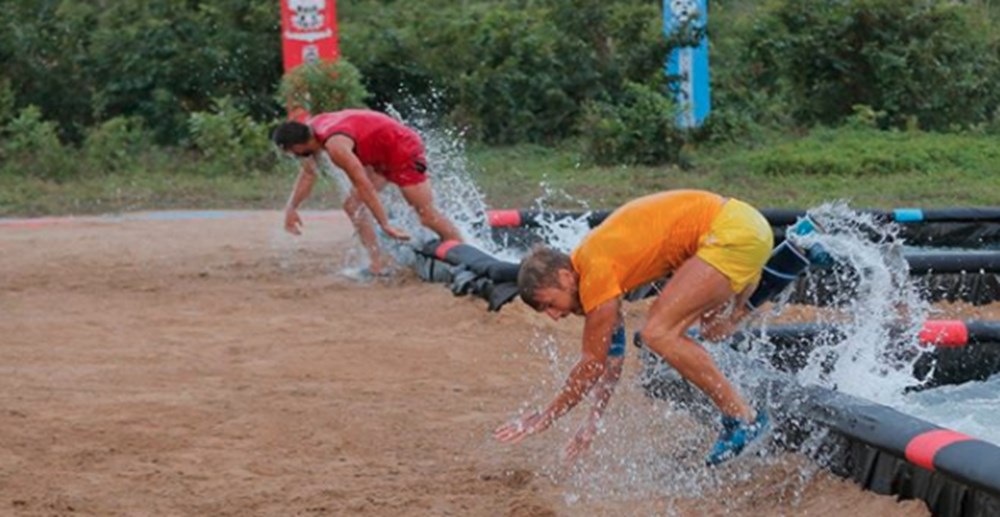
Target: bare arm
column 591, row 367
column 597, row 329
column 605, row 386
column 601, row 394
column 341, row 150
column 300, row 191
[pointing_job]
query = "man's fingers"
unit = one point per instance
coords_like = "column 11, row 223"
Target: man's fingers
column 396, row 233
column 513, row 437
column 510, row 433
column 505, row 433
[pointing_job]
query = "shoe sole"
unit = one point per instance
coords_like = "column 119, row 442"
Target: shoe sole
column 751, row 449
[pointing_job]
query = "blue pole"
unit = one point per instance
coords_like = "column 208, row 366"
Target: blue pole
column 689, row 64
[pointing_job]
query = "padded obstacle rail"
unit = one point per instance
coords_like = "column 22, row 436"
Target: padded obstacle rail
column 972, row 277
column 954, row 351
column 939, row 333
column 962, row 262
column 879, row 448
column 784, row 217
column 775, row 216
column 537, row 219
column 468, row 271
column 893, row 453
column 946, row 227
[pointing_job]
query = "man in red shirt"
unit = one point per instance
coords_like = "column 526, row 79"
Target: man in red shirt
column 373, row 149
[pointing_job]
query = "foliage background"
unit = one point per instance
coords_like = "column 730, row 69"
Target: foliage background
column 96, row 89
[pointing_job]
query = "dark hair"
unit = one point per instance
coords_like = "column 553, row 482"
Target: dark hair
column 540, row 270
column 291, row 133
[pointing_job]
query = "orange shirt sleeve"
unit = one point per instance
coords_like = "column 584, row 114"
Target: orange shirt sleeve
column 642, row 241
column 598, row 281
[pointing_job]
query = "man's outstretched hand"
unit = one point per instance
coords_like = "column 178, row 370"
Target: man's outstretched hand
column 580, row 443
column 513, row 432
column 395, row 233
column 293, row 223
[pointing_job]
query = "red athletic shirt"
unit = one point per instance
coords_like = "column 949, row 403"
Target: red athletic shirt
column 380, row 141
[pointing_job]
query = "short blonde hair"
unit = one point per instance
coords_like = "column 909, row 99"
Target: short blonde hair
column 539, row 270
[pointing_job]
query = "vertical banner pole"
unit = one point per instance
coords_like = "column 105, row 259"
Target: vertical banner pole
column 689, row 65
column 308, row 34
column 308, row 31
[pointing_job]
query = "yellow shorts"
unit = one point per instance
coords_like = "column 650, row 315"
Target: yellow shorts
column 738, row 244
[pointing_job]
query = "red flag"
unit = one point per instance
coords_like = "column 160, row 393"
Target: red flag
column 308, row 31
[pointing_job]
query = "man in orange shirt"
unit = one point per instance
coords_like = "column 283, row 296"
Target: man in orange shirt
column 715, row 248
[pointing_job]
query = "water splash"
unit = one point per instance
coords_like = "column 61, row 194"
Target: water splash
column 455, row 193
column 971, row 407
column 562, row 233
column 879, row 311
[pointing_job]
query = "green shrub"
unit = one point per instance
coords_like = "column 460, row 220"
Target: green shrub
column 517, row 92
column 230, row 140
column 508, row 71
column 31, row 147
column 6, row 101
column 638, row 128
column 931, row 64
column 116, row 144
column 323, row 86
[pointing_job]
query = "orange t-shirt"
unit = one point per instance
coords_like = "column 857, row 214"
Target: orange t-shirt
column 644, row 240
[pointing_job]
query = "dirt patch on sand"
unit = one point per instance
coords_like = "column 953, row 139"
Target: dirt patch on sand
column 219, row 367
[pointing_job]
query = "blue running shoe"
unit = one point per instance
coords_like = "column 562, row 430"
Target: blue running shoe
column 735, row 436
column 806, row 225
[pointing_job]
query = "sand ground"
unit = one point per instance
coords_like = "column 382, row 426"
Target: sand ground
column 222, row 368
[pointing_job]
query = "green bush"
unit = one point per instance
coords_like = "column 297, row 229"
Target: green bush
column 517, row 92
column 82, row 62
column 116, row 144
column 6, row 101
column 31, row 147
column 744, row 108
column 932, row 63
column 511, row 71
column 230, row 140
column 637, row 128
column 323, row 86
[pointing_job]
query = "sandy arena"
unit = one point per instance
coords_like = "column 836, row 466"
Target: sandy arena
column 222, row 368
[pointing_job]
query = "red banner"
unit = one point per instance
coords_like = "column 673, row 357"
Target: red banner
column 308, row 31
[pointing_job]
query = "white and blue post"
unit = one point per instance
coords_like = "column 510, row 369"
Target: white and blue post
column 689, row 64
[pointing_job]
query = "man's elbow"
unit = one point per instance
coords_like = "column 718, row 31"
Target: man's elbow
column 593, row 368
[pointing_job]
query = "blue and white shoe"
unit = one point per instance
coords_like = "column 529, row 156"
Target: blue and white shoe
column 806, row 225
column 735, row 436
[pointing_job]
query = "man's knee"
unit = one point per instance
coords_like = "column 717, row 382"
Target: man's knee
column 428, row 216
column 663, row 339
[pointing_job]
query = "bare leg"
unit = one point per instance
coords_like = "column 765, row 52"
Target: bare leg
column 421, row 198
column 364, row 225
column 695, row 289
column 720, row 324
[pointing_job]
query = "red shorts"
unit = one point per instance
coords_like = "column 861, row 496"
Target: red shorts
column 407, row 166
